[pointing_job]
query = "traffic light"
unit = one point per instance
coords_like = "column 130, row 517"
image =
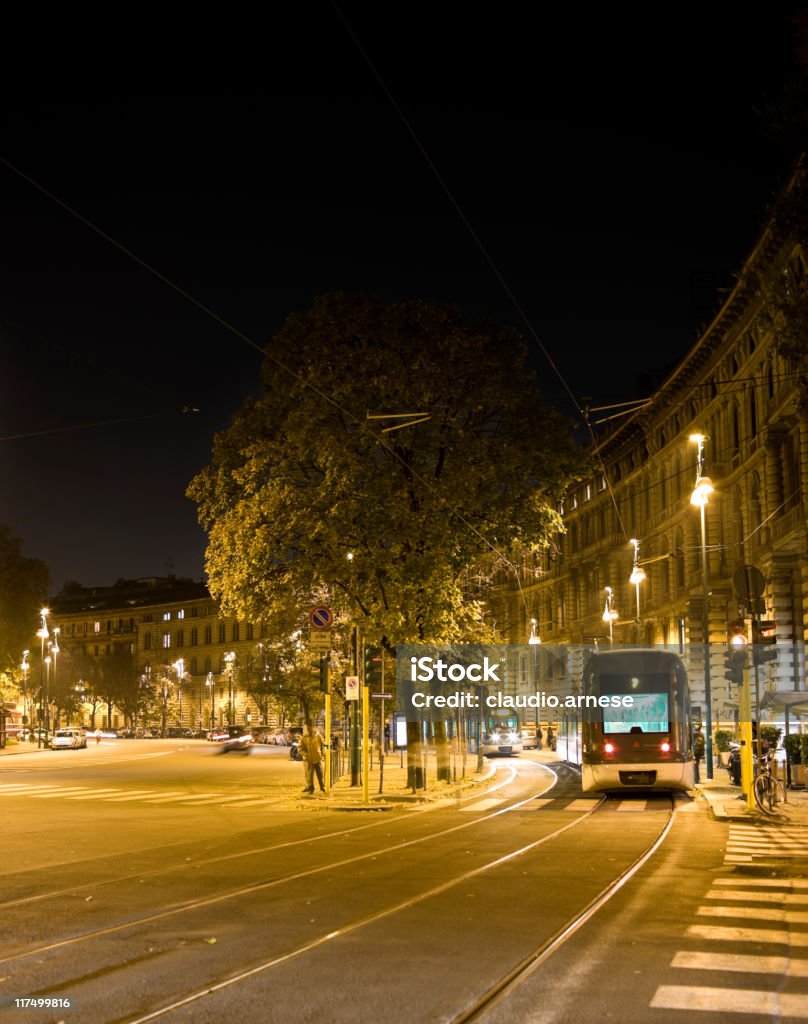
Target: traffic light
column 764, row 634
column 325, row 675
column 734, row 664
column 373, row 666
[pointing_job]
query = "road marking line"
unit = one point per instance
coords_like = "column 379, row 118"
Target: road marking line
column 247, row 803
column 789, row 898
column 132, row 794
column 583, row 804
column 172, row 797
column 759, row 1002
column 716, row 934
column 95, row 795
column 781, row 965
column 483, row 805
column 761, row 914
column 59, row 792
column 764, row 883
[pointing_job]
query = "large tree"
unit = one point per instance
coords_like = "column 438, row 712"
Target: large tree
column 307, row 495
column 23, row 591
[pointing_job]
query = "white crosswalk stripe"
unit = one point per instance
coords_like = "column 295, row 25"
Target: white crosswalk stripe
column 750, row 844
column 716, row 945
column 116, row 795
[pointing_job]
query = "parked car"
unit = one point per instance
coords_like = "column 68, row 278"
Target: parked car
column 69, row 739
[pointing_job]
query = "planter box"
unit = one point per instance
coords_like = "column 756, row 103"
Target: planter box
column 723, row 756
column 798, row 775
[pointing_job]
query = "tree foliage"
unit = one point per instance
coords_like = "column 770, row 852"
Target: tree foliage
column 306, row 496
column 23, row 591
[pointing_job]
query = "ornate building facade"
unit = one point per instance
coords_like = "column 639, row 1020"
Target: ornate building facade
column 633, row 542
column 178, row 639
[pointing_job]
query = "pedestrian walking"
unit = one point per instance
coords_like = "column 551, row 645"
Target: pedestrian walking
column 310, row 749
column 698, row 751
column 550, row 738
column 539, row 737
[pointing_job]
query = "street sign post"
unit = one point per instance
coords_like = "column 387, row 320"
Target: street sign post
column 352, row 687
column 381, row 696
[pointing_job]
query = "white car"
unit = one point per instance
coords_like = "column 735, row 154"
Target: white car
column 69, row 739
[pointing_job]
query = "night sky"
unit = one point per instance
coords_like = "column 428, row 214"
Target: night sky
column 615, row 173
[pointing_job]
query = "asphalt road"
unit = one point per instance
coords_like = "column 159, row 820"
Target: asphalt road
column 156, row 880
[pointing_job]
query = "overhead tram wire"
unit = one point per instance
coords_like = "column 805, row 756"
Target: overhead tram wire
column 267, row 355
column 486, row 255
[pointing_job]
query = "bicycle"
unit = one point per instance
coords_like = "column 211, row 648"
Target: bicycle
column 769, row 790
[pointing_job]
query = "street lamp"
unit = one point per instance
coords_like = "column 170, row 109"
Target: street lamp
column 211, row 682
column 179, row 668
column 47, row 695
column 534, row 640
column 229, row 660
column 25, row 666
column 54, row 649
column 701, row 492
column 43, row 635
column 609, row 614
column 636, row 578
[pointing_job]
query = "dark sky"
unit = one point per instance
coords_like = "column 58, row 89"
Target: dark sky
column 615, row 170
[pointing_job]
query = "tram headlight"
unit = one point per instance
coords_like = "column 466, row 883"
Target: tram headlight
column 665, row 747
column 608, row 747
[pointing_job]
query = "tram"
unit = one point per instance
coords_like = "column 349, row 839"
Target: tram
column 501, row 733
column 638, row 744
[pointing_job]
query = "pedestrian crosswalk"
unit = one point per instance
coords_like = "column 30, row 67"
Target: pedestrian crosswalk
column 119, row 795
column 580, row 804
column 758, row 844
column 747, row 953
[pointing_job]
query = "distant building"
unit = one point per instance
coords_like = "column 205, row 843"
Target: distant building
column 174, row 631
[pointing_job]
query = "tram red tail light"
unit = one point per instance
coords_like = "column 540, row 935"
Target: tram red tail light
column 665, row 747
column 608, row 748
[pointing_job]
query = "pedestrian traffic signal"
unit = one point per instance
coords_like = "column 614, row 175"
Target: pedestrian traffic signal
column 325, row 675
column 764, row 635
column 373, row 666
column 734, row 664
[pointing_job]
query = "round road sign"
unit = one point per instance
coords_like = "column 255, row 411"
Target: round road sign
column 321, row 618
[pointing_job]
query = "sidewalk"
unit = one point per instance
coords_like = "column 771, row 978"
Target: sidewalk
column 728, row 803
column 395, row 792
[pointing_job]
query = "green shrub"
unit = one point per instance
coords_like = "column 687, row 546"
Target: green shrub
column 722, row 740
column 804, row 748
column 771, row 734
column 793, row 745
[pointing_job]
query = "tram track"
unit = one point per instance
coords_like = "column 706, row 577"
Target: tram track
column 500, row 992
column 340, row 928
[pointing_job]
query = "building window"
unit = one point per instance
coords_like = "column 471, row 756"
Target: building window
column 193, row 666
column 194, row 636
column 249, row 631
column 207, row 664
column 166, row 640
column 208, row 635
column 194, row 613
column 147, row 618
column 96, row 627
column 180, row 638
column 181, row 613
column 166, row 616
column 235, row 631
column 221, row 633
column 147, row 641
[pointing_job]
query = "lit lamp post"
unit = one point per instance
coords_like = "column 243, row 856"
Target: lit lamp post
column 609, row 614
column 229, row 660
column 25, row 666
column 54, row 649
column 179, row 668
column 47, row 695
column 636, row 578
column 534, row 640
column 211, row 682
column 43, row 635
column 701, row 492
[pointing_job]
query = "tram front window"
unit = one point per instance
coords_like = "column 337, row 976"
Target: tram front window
column 648, row 711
